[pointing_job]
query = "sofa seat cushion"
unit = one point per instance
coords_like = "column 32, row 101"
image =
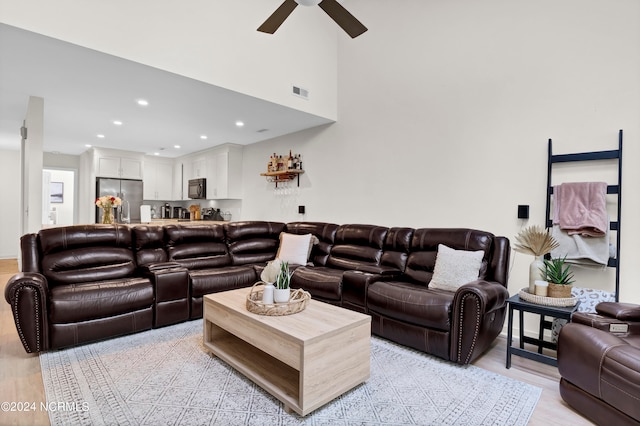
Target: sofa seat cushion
column 320, row 281
column 206, row 281
column 87, row 301
column 411, row 303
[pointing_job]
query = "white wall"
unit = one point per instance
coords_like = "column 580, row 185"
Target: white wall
column 444, row 113
column 32, row 195
column 10, row 213
column 214, row 41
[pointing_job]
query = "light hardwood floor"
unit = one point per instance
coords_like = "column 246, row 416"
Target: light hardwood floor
column 21, row 381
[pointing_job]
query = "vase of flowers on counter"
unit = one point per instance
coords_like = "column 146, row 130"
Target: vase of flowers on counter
column 107, row 203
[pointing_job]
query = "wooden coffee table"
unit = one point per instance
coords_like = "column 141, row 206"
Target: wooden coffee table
column 304, row 360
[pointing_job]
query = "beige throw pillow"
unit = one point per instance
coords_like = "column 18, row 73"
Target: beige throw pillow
column 455, row 268
column 295, row 249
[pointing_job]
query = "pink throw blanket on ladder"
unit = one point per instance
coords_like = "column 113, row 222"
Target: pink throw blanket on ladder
column 581, row 208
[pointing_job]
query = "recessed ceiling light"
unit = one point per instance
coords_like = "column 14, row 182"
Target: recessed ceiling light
column 87, row 145
column 176, row 146
column 143, row 102
column 101, row 136
column 203, row 137
column 156, row 153
column 239, row 123
column 117, row 122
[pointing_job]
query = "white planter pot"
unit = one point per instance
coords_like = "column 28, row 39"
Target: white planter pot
column 281, row 295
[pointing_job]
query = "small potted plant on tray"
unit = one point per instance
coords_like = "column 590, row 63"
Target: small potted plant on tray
column 557, row 272
column 282, row 291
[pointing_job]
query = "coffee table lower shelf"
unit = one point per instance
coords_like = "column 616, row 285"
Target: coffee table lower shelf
column 269, row 373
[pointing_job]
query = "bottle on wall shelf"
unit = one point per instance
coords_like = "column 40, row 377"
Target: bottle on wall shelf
column 290, row 161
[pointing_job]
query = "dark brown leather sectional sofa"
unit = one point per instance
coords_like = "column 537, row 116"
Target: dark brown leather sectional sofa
column 89, row 282
column 599, row 363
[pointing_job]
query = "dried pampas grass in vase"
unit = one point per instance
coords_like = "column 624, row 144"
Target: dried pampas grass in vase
column 536, row 241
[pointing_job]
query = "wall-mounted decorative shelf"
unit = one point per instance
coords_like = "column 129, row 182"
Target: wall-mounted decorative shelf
column 283, row 176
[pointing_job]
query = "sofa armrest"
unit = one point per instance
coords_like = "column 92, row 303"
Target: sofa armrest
column 620, row 311
column 171, row 292
column 601, row 364
column 384, row 271
column 477, row 317
column 27, row 293
column 149, row 268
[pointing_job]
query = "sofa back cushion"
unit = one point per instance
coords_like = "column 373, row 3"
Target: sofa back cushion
column 324, row 232
column 424, row 249
column 148, row 243
column 253, row 242
column 81, row 253
column 357, row 246
column 197, row 246
column 396, row 248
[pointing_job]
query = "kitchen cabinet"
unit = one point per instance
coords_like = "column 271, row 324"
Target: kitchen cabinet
column 158, row 179
column 178, row 189
column 195, row 167
column 116, row 165
column 226, row 179
column 220, row 166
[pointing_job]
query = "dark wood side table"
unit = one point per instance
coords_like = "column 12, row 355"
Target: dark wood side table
column 523, row 306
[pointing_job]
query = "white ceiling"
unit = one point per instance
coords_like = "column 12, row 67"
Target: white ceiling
column 84, row 91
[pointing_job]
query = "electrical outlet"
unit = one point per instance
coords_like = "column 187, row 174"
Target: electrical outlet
column 301, row 209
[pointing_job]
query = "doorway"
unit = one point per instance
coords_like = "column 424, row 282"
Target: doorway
column 59, row 197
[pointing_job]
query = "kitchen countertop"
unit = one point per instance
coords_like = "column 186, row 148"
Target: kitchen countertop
column 180, row 221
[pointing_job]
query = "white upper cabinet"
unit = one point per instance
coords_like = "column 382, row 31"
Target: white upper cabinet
column 118, row 164
column 220, row 166
column 158, row 179
column 226, row 181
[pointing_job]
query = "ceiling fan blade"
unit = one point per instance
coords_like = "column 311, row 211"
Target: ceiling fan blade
column 278, row 17
column 347, row 21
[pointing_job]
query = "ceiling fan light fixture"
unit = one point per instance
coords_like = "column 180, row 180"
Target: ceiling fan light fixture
column 308, row 2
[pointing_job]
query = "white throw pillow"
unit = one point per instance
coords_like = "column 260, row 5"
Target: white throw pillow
column 295, row 249
column 455, row 268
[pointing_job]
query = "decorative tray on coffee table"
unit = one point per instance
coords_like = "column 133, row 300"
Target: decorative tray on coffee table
column 297, row 302
column 562, row 302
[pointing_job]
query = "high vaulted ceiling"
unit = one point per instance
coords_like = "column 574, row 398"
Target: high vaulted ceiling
column 85, row 91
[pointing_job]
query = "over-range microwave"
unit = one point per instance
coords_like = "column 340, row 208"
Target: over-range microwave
column 197, row 188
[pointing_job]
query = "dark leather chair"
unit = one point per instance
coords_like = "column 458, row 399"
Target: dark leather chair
column 79, row 284
column 599, row 364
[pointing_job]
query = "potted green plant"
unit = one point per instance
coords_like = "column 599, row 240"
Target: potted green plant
column 282, row 291
column 557, row 272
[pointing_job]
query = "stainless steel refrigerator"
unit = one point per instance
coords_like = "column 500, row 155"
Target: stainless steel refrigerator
column 128, row 190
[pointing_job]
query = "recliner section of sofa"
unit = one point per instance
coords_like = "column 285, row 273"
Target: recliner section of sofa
column 158, row 275
column 355, row 247
column 78, row 284
column 599, row 365
column 221, row 257
column 456, row 326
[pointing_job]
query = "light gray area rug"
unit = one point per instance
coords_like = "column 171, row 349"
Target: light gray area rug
column 166, row 377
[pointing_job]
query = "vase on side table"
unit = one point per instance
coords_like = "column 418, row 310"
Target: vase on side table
column 536, row 269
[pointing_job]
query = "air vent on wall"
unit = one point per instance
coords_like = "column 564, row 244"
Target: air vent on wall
column 300, row 92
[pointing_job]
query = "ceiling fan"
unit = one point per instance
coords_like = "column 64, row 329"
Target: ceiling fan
column 347, row 21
